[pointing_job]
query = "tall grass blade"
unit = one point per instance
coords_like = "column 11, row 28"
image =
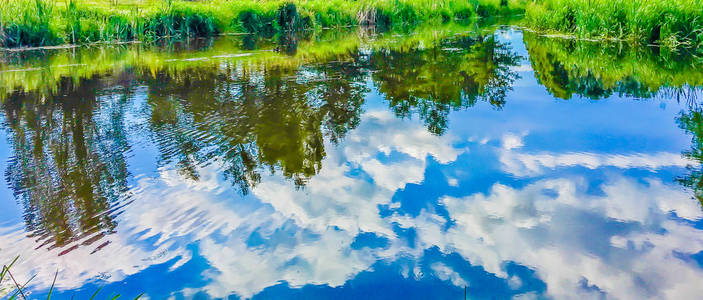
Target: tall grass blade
column 95, row 294
column 48, row 297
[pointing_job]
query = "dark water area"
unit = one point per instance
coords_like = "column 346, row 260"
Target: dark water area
column 441, row 163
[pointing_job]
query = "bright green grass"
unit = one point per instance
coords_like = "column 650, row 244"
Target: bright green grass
column 46, row 23
column 671, row 23
column 13, row 290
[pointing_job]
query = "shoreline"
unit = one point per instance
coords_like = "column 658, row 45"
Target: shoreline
column 40, row 23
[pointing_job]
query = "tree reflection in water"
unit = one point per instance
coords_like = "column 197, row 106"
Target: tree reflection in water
column 455, row 73
column 68, row 168
column 249, row 116
column 692, row 122
column 568, row 67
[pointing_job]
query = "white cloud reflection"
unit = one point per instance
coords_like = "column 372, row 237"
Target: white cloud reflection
column 553, row 226
column 561, row 235
column 523, row 164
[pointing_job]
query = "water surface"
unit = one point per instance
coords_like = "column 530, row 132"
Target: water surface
column 352, row 164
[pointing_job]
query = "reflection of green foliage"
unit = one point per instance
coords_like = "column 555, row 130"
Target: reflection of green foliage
column 245, row 111
column 249, row 116
column 68, row 167
column 692, row 123
column 599, row 70
column 453, row 73
column 42, row 72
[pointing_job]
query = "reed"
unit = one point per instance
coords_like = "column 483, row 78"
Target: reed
column 11, row 289
column 32, row 23
column 669, row 23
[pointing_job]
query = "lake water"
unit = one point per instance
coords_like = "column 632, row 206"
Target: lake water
column 442, row 163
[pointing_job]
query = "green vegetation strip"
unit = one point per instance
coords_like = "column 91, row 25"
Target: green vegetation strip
column 36, row 23
column 669, row 23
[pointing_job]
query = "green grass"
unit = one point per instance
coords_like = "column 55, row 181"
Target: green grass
column 18, row 290
column 670, row 23
column 46, row 23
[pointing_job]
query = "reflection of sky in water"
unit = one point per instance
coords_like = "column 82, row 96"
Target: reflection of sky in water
column 569, row 199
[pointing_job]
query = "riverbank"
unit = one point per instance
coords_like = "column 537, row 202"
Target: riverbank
column 671, row 24
column 36, row 23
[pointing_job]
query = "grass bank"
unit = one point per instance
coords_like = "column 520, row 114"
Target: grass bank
column 670, row 23
column 45, row 23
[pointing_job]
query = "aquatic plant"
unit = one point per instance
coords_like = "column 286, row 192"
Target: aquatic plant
column 669, row 23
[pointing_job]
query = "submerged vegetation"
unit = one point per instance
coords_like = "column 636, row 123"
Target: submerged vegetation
column 670, row 23
column 47, row 23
